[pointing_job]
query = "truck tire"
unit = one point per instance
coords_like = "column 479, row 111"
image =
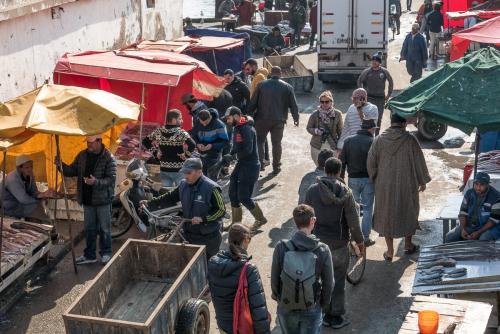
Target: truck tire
column 194, row 318
column 431, row 130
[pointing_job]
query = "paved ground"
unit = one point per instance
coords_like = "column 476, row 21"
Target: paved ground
column 377, row 305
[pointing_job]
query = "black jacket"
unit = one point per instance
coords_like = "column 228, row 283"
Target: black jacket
column 245, row 142
column 324, row 266
column 435, row 21
column 223, row 278
column 240, row 93
column 272, row 99
column 355, row 153
column 103, row 190
column 222, row 102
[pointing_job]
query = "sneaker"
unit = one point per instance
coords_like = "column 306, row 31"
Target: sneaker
column 84, row 260
column 339, row 322
column 369, row 242
column 105, row 259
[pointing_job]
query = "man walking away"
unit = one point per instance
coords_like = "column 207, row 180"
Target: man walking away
column 273, row 42
column 479, row 213
column 353, row 157
column 310, row 178
column 435, row 23
column 170, row 142
column 397, row 16
column 336, row 215
column 237, row 88
column 246, row 172
column 201, row 202
column 211, row 137
column 373, row 79
column 414, row 51
column 193, row 105
column 95, row 169
column 302, row 277
column 272, row 99
column 313, row 21
column 397, row 167
column 297, row 14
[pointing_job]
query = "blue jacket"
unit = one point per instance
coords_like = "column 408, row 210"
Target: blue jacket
column 414, row 48
column 489, row 210
column 214, row 133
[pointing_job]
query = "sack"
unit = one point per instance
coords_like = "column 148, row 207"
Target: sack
column 298, row 278
column 242, row 317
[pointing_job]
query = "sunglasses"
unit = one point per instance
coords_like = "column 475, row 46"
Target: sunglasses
column 325, row 102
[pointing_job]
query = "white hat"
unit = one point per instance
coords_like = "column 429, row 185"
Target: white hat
column 92, row 139
column 22, row 159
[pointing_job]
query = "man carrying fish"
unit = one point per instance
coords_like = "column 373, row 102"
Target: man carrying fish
column 479, row 213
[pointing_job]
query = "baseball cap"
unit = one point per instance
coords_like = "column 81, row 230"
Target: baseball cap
column 369, row 124
column 191, row 164
column 22, row 159
column 92, row 139
column 482, row 177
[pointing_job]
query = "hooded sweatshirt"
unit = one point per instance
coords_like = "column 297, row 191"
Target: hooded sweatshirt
column 261, row 75
column 336, row 211
column 223, row 278
column 214, row 133
column 324, row 266
column 245, row 142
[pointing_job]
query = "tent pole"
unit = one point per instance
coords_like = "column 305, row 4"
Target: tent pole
column 215, row 63
column 476, row 151
column 4, row 169
column 168, row 102
column 142, row 116
column 55, row 200
column 68, row 216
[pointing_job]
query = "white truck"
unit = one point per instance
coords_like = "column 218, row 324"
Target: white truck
column 349, row 33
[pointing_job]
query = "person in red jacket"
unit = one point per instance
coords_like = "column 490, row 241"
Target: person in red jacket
column 313, row 21
column 246, row 9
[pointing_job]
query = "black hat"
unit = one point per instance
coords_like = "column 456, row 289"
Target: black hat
column 231, row 111
column 377, row 57
column 368, row 124
column 229, row 72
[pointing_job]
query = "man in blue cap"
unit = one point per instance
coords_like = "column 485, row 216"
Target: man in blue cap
column 479, row 213
column 373, row 79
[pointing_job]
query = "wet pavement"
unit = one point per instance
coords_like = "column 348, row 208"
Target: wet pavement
column 377, row 305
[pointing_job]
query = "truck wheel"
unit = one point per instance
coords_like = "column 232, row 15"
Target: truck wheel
column 194, row 318
column 431, row 130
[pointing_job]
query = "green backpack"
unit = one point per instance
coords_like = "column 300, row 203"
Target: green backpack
column 298, row 278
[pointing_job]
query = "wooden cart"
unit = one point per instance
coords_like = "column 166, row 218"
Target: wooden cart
column 293, row 71
column 147, row 287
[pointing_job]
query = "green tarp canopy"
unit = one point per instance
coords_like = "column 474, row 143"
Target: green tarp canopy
column 464, row 94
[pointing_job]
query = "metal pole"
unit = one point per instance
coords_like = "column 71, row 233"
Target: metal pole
column 476, row 151
column 142, row 116
column 55, row 188
column 68, row 216
column 4, row 168
column 168, row 102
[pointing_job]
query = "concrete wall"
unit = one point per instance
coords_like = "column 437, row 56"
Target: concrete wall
column 30, row 45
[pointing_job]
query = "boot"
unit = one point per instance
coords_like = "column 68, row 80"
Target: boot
column 259, row 218
column 236, row 217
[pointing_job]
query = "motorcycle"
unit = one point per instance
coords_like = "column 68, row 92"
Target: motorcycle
column 125, row 207
column 392, row 19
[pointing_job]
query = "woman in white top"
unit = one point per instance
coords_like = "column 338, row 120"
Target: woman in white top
column 359, row 110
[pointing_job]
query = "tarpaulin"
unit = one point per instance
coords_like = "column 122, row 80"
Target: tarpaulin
column 163, row 77
column 484, row 32
column 463, row 93
column 482, row 14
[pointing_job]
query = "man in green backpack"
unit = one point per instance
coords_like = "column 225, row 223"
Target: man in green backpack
column 302, row 277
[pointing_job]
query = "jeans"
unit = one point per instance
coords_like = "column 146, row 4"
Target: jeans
column 456, row 234
column 241, row 185
column 171, row 179
column 434, row 42
column 211, row 167
column 364, row 195
column 211, row 241
column 414, row 68
column 408, row 4
column 300, row 322
column 97, row 222
column 276, row 128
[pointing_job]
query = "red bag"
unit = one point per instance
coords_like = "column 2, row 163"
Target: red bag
column 242, row 317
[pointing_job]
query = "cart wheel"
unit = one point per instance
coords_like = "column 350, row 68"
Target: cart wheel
column 430, row 130
column 194, row 318
column 357, row 262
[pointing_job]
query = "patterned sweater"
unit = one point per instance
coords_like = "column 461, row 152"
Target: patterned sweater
column 171, row 141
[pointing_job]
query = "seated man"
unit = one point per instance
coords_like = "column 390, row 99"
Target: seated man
column 479, row 214
column 273, row 42
column 22, row 198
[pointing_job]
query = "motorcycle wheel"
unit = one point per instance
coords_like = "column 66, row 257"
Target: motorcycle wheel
column 121, row 222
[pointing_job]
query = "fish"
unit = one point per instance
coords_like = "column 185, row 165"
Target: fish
column 445, row 262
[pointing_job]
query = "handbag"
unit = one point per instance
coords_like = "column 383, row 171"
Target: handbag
column 242, row 317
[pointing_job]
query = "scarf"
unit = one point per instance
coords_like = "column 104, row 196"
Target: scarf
column 326, row 116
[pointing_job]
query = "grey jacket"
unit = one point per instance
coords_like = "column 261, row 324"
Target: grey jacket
column 324, row 266
column 103, row 190
column 374, row 82
column 17, row 194
column 272, row 99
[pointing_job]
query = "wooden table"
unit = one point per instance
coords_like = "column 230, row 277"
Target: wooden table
column 471, row 317
column 449, row 213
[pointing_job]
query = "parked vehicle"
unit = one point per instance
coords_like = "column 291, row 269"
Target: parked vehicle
column 350, row 32
column 293, row 71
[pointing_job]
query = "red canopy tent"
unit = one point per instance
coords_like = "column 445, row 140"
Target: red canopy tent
column 484, row 32
column 456, row 6
column 155, row 78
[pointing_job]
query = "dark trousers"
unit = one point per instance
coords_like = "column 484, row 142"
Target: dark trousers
column 414, row 68
column 212, row 166
column 97, row 222
column 313, row 37
column 276, row 128
column 210, row 241
column 297, row 32
column 408, row 4
column 379, row 101
column 397, row 18
column 340, row 258
column 241, row 185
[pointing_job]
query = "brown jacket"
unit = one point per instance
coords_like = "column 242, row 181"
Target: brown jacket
column 335, row 128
